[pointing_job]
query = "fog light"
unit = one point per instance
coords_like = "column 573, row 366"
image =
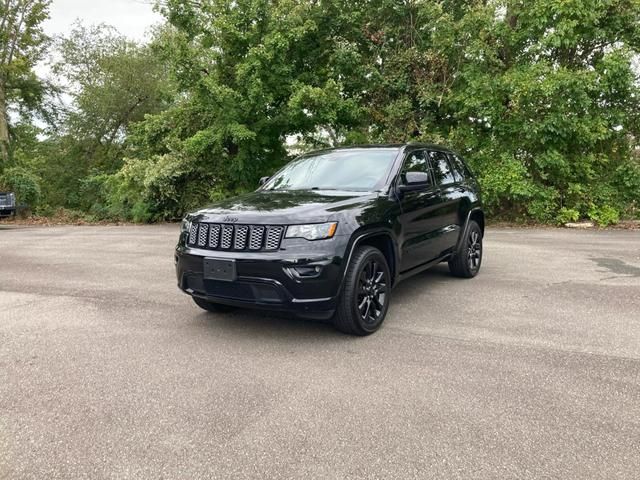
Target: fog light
column 307, row 271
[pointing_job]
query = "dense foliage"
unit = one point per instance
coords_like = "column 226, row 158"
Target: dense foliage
column 541, row 96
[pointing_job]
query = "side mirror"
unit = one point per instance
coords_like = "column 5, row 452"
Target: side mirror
column 264, row 180
column 414, row 181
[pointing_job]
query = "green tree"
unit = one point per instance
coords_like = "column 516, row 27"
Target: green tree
column 250, row 74
column 113, row 83
column 553, row 114
column 540, row 95
column 22, row 44
column 110, row 83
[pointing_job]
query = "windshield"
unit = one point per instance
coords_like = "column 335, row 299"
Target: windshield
column 363, row 169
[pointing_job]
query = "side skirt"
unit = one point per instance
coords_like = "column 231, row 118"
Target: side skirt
column 421, row 268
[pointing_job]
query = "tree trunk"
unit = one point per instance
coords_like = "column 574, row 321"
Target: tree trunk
column 4, row 128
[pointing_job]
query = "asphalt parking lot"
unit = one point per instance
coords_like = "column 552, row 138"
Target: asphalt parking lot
column 531, row 370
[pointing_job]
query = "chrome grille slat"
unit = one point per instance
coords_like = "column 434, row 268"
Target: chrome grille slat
column 255, row 240
column 214, row 235
column 240, row 242
column 203, row 231
column 192, row 233
column 224, row 236
column 273, row 237
column 227, row 236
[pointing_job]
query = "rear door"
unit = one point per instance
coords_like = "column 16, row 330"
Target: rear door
column 450, row 194
column 420, row 215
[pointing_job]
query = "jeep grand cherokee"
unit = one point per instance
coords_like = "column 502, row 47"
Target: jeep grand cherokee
column 332, row 232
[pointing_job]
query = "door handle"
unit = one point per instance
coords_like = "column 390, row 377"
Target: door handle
column 431, row 193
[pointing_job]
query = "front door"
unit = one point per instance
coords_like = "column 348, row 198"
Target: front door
column 421, row 216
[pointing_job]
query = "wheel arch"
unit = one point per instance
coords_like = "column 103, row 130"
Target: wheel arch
column 381, row 239
column 477, row 215
column 384, row 243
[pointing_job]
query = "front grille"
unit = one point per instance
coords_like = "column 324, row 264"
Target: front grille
column 222, row 236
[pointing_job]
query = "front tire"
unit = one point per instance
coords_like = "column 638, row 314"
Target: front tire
column 365, row 296
column 468, row 259
column 212, row 306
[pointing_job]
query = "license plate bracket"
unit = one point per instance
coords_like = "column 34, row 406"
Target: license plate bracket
column 219, row 269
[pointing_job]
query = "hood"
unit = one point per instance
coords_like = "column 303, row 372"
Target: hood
column 284, row 206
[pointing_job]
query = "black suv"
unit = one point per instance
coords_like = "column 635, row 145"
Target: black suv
column 332, row 232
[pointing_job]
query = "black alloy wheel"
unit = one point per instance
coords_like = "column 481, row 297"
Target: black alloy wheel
column 366, row 293
column 467, row 259
column 474, row 252
column 372, row 292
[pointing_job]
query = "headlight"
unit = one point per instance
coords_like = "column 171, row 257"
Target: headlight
column 315, row 231
column 186, row 225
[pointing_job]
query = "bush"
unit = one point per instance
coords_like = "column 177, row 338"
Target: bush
column 604, row 215
column 506, row 187
column 626, row 182
column 159, row 188
column 566, row 215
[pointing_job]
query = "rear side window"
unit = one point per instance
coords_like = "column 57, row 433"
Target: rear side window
column 441, row 169
column 460, row 170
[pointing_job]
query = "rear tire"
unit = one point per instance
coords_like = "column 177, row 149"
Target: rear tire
column 468, row 259
column 212, row 306
column 364, row 300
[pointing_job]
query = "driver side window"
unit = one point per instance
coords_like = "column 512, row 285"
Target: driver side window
column 416, row 162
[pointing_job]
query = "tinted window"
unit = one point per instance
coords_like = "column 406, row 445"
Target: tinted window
column 441, row 168
column 459, row 168
column 348, row 169
column 416, row 162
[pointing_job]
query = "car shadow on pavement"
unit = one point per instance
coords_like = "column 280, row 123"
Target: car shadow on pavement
column 269, row 326
column 283, row 327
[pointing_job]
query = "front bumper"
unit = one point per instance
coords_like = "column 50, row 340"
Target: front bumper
column 7, row 211
column 271, row 280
